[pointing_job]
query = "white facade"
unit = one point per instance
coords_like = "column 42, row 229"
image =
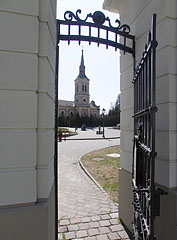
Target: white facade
column 27, row 70
column 27, row 66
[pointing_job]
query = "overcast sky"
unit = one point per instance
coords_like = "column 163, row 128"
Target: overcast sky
column 102, row 66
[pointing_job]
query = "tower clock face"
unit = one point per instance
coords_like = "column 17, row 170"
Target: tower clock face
column 84, row 100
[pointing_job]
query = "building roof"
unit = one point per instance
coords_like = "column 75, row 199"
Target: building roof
column 66, row 103
column 93, row 105
column 82, row 68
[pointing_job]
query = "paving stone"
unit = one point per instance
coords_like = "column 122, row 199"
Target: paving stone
column 114, row 221
column 79, row 197
column 104, row 223
column 102, row 237
column 78, row 238
column 81, row 234
column 86, row 219
column 83, row 226
column 114, row 215
column 62, row 229
column 104, row 210
column 93, row 232
column 104, row 230
column 82, row 213
column 74, row 227
column 95, row 218
column 70, row 235
column 75, row 220
column 60, row 236
column 89, row 238
column 116, row 228
column 94, row 224
column 105, row 217
column 113, row 236
column 64, row 222
column 123, row 234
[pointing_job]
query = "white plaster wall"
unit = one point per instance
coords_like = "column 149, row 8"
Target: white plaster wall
column 138, row 15
column 18, row 107
column 27, row 65
column 46, row 97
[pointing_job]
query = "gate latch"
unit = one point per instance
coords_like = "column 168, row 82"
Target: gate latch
column 158, row 192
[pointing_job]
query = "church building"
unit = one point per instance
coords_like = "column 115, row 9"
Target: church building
column 81, row 103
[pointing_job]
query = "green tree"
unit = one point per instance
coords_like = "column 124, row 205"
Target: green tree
column 114, row 113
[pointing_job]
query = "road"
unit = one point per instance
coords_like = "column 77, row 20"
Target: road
column 78, row 195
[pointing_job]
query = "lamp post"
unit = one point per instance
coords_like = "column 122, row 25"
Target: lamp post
column 103, row 112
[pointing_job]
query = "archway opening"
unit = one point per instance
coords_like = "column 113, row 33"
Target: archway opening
column 99, row 63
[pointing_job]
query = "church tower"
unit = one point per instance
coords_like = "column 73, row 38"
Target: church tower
column 82, row 96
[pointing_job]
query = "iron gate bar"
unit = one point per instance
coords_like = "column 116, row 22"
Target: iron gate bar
column 100, row 41
column 143, row 166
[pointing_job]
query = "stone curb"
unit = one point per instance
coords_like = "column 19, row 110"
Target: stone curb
column 92, row 178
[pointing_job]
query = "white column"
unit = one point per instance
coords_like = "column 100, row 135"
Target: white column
column 18, row 109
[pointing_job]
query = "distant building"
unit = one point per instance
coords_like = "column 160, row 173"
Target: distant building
column 81, row 103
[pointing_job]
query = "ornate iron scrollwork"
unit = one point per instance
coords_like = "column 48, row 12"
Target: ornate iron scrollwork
column 98, row 21
column 97, row 17
column 69, row 16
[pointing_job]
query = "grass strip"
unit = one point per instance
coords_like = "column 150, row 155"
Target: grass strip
column 104, row 169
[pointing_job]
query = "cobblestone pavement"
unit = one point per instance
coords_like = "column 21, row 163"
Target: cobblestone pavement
column 85, row 211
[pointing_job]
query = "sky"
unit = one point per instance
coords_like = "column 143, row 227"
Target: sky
column 101, row 64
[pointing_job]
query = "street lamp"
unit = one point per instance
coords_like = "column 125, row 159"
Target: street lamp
column 103, row 112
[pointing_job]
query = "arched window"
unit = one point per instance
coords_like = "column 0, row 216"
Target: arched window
column 62, row 113
column 85, row 88
column 77, row 88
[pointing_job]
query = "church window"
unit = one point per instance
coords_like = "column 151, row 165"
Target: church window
column 62, row 113
column 77, row 88
column 84, row 88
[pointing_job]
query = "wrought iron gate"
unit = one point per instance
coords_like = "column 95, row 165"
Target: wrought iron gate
column 146, row 196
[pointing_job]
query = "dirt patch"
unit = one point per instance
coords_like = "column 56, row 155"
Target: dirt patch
column 105, row 171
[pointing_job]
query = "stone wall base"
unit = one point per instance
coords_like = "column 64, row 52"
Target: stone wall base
column 166, row 223
column 34, row 222
column 125, row 198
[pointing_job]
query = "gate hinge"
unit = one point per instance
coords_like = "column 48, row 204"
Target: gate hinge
column 153, row 109
column 154, row 43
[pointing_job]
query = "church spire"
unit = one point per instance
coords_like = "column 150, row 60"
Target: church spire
column 82, row 67
column 82, row 59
